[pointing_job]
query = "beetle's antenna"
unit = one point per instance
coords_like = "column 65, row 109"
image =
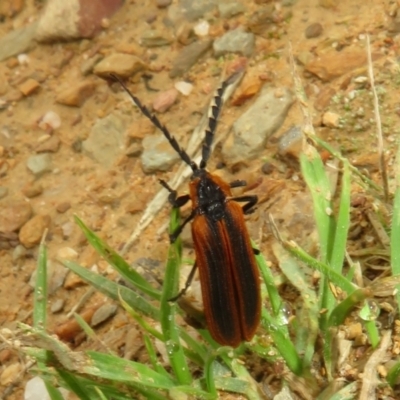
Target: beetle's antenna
column 213, row 120
column 155, row 121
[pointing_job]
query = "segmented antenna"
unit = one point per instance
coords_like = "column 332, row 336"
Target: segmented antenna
column 155, row 121
column 213, row 120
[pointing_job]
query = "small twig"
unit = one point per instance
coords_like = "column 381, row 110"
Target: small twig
column 370, row 379
column 81, row 301
column 382, row 163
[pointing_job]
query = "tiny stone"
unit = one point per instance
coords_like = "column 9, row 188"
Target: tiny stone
column 52, row 144
column 29, row 86
column 5, row 355
column 267, row 168
column 134, row 150
column 12, row 62
column 63, row 207
column 165, row 100
column 313, row 30
column 32, row 189
column 67, row 253
column 31, row 233
column 227, row 10
column 202, row 28
column 163, row 3
column 57, row 306
column 23, row 59
column 184, row 87
column 13, row 216
column 39, row 163
column 123, row 65
column 9, row 373
column 19, row 252
column 103, row 313
column 50, row 119
column 330, row 119
column 76, row 95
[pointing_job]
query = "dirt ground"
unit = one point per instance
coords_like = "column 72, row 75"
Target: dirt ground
column 111, row 198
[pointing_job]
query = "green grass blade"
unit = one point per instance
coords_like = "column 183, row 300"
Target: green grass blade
column 153, row 356
column 395, row 231
column 273, row 294
column 167, row 309
column 117, row 262
column 53, row 392
column 40, row 294
column 75, row 385
column 343, row 223
column 113, row 290
column 318, row 183
column 284, row 345
column 337, row 279
column 343, row 309
column 393, row 375
column 307, row 329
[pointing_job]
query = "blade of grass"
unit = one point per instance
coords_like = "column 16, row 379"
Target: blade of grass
column 282, row 342
column 53, row 392
column 343, row 223
column 395, row 231
column 175, row 351
column 307, row 330
column 153, row 356
column 40, row 294
column 273, row 294
column 113, row 290
column 95, row 364
column 117, row 262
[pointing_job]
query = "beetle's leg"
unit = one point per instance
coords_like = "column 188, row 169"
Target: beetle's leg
column 251, row 202
column 173, row 198
column 187, row 284
column 237, row 183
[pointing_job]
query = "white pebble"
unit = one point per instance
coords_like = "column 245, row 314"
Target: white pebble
column 67, row 253
column 23, row 59
column 202, row 28
column 35, row 389
column 184, row 87
column 50, row 119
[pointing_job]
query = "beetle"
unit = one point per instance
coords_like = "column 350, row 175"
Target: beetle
column 225, row 258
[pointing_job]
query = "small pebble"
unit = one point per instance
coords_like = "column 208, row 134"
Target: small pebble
column 202, row 28
column 267, row 168
column 184, row 87
column 103, row 313
column 163, row 3
column 35, row 389
column 19, row 252
column 67, row 253
column 23, row 59
column 9, row 374
column 330, row 119
column 313, row 30
column 31, row 233
column 165, row 100
column 50, row 119
column 63, row 207
column 32, row 189
column 40, row 163
column 28, row 86
column 57, row 306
